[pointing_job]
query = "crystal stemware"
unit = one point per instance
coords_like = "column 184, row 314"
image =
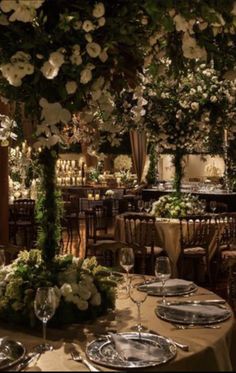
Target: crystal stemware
column 138, row 297
column 44, row 308
column 163, row 272
column 127, row 262
column 213, row 206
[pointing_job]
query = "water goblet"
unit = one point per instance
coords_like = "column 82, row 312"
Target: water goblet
column 213, row 206
column 127, row 262
column 138, row 297
column 140, row 205
column 44, row 308
column 147, row 206
column 163, row 272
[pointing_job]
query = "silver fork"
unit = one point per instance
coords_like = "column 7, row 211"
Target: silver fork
column 77, row 357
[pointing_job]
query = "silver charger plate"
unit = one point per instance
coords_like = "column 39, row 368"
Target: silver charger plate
column 175, row 315
column 102, row 351
column 11, row 353
column 172, row 291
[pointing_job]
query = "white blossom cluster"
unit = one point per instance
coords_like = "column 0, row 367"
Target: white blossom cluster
column 183, row 113
column 122, row 162
column 7, row 126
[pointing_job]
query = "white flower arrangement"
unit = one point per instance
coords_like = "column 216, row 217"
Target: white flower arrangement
column 122, row 163
column 172, row 206
column 6, row 130
column 109, row 193
column 80, row 283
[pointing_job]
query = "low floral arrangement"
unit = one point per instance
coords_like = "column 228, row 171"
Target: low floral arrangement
column 83, row 288
column 174, row 206
column 109, row 193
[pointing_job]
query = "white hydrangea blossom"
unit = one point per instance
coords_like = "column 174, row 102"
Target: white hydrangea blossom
column 6, row 130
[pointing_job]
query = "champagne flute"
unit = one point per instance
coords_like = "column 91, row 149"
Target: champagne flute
column 163, row 272
column 127, row 262
column 44, row 307
column 138, row 297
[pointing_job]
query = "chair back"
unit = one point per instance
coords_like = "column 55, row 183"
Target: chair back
column 139, row 229
column 226, row 223
column 196, row 231
column 24, row 209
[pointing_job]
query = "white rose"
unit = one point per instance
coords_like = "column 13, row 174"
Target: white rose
column 49, row 70
column 88, row 26
column 84, row 292
column 195, row 106
column 103, row 56
column 96, row 299
column 71, row 87
column 76, row 59
column 101, row 21
column 98, row 10
column 85, row 76
column 81, row 304
column 93, row 49
column 213, row 99
column 66, row 290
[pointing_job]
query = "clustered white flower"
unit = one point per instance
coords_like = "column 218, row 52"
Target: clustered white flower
column 186, row 111
column 122, row 162
column 24, row 10
column 109, row 193
column 18, row 67
column 6, row 130
column 171, row 206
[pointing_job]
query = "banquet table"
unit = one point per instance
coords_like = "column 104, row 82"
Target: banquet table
column 209, row 349
column 167, row 236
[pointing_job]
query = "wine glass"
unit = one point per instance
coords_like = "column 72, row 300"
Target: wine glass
column 213, row 206
column 2, row 259
column 127, row 262
column 147, row 206
column 163, row 272
column 140, row 205
column 44, row 308
column 138, row 297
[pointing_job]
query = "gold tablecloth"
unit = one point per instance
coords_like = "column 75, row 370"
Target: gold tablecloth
column 167, row 236
column 210, row 349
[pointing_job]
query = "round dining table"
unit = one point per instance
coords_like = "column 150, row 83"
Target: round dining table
column 167, row 236
column 209, row 349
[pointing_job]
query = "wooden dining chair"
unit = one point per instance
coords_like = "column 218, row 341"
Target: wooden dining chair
column 196, row 234
column 140, row 234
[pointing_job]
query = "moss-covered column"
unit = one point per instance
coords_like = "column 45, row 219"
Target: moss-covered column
column 48, row 206
column 178, row 156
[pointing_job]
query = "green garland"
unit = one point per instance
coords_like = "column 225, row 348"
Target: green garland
column 179, row 173
column 49, row 208
column 151, row 175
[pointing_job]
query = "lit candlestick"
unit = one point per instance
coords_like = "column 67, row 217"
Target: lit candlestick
column 90, row 196
column 226, row 136
column 97, row 196
column 73, row 163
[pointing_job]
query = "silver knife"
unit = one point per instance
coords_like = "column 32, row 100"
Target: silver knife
column 204, row 301
column 27, row 360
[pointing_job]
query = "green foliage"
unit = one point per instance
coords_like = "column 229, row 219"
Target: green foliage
column 49, row 206
column 152, row 171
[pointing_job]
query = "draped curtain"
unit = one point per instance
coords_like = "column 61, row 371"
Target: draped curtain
column 139, row 151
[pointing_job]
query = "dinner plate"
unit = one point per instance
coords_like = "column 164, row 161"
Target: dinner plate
column 11, row 353
column 102, row 351
column 193, row 312
column 170, row 291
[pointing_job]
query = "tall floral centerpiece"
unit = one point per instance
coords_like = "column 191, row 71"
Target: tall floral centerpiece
column 59, row 57
column 188, row 114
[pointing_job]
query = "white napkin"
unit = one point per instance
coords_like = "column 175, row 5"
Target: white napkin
column 198, row 309
column 170, row 284
column 130, row 349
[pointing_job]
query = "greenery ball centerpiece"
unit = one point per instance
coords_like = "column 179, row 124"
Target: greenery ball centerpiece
column 82, row 287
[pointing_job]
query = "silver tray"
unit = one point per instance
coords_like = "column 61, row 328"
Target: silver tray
column 11, row 353
column 175, row 315
column 102, row 351
column 171, row 291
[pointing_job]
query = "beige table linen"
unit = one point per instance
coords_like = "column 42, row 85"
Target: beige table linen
column 167, row 236
column 210, row 349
